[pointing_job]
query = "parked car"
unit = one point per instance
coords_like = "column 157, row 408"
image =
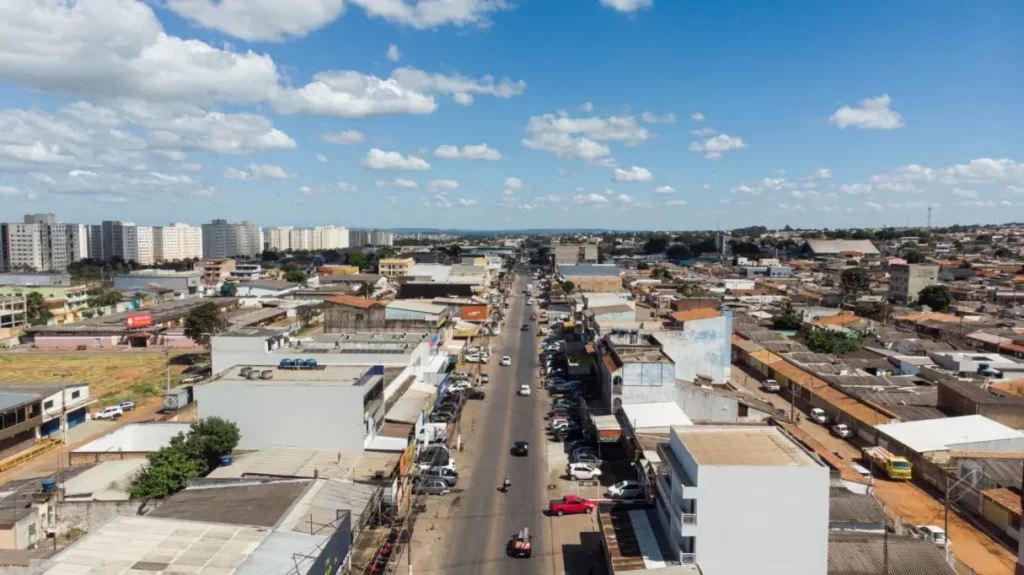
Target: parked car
column 126, row 405
column 564, row 424
column 818, row 414
column 577, row 471
column 449, row 476
column 442, row 417
column 484, row 378
column 770, row 385
column 457, row 375
column 571, row 504
column 112, row 412
column 626, row 489
column 521, row 448
column 475, row 394
column 842, row 430
column 436, row 487
column 506, row 360
column 932, row 533
column 191, row 379
column 524, row 390
column 586, row 457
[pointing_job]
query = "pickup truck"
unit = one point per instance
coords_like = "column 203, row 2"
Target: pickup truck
column 770, row 385
column 571, row 504
column 842, row 430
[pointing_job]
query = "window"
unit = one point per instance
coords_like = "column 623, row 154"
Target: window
column 75, row 394
column 48, row 404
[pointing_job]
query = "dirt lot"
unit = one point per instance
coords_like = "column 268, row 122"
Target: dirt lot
column 133, row 376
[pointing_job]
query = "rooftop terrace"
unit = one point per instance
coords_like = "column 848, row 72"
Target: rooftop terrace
column 754, row 446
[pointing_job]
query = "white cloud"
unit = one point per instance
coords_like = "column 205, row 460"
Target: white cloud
column 345, row 137
column 442, row 185
column 463, row 99
column 467, row 202
column 652, row 118
column 855, row 189
column 394, row 54
column 625, row 199
column 1001, row 203
column 377, row 159
column 746, row 191
column 117, row 49
column 705, row 131
column 634, row 174
column 340, row 187
column 873, row 114
column 676, row 203
column 513, row 184
column 959, row 192
column 1015, row 189
column 258, row 172
column 525, row 207
column 821, row 173
column 257, row 20
column 772, row 183
column 104, row 199
column 714, row 147
column 569, row 137
column 566, row 173
column 588, row 107
column 9, row 191
column 697, row 117
column 792, row 208
column 590, row 199
column 471, row 152
column 428, row 83
column 798, row 195
column 396, row 183
column 321, row 158
column 423, row 14
column 350, row 94
column 977, row 204
column 664, row 190
column 873, row 206
column 627, row 6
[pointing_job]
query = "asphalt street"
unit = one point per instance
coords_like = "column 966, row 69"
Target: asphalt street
column 489, row 517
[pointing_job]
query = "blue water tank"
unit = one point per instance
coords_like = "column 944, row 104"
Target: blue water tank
column 286, row 363
column 49, row 485
column 227, row 459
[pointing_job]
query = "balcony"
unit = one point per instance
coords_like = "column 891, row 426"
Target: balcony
column 689, row 524
column 688, row 558
column 689, row 519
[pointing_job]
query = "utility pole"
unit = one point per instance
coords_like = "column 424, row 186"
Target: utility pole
column 945, row 505
column 60, row 452
column 167, row 367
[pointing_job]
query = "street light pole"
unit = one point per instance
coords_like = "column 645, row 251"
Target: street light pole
column 945, row 505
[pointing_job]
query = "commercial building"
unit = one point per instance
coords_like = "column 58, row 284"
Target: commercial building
column 39, row 244
column 601, row 278
column 222, row 239
column 330, row 407
column 907, row 280
column 571, row 254
column 112, row 239
column 183, row 283
column 634, row 369
column 717, row 484
column 177, row 241
column 963, row 433
column 833, row 248
column 395, row 267
column 63, row 406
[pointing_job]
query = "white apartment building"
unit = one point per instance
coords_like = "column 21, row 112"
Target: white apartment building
column 330, row 238
column 249, row 240
column 137, row 244
column 177, row 241
column 280, row 238
column 301, row 239
column 39, row 244
column 222, row 239
column 283, row 238
column 743, row 499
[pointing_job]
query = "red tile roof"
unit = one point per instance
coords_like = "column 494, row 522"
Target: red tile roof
column 353, row 301
column 695, row 314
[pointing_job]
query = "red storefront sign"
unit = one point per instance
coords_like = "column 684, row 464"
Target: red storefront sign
column 144, row 319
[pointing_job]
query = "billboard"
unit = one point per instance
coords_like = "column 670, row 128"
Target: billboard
column 144, row 319
column 474, row 312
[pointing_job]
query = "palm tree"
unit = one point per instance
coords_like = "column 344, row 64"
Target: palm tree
column 366, row 289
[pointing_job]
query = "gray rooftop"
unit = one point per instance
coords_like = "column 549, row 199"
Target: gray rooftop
column 115, row 322
column 845, row 506
column 342, row 375
column 256, row 503
column 852, row 553
column 578, row 270
column 10, row 400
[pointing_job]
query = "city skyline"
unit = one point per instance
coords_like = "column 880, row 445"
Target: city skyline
column 699, row 117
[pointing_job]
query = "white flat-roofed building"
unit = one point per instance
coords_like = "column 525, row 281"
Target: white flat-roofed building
column 735, row 499
column 964, row 433
column 328, row 407
column 654, row 417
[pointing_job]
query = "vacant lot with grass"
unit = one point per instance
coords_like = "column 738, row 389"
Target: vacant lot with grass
column 133, row 376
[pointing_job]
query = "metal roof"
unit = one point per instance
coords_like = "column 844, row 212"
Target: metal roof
column 318, row 513
column 651, row 415
column 940, row 434
column 10, row 400
column 829, row 247
column 853, row 553
column 257, row 503
column 409, row 407
column 845, row 506
column 580, row 270
column 290, row 462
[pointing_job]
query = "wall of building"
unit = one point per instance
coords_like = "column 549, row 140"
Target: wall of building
column 43, row 341
column 702, row 347
column 599, row 284
column 705, row 406
column 340, row 318
column 647, row 382
column 319, row 416
column 85, row 515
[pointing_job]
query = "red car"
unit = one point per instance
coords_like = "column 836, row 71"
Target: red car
column 571, row 504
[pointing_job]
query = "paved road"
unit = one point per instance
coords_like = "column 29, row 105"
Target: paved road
column 488, row 517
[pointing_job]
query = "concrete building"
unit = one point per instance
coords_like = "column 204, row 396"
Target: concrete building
column 717, row 486
column 332, row 407
column 571, row 254
column 94, row 248
column 215, row 270
column 394, row 267
column 138, row 244
column 13, row 314
column 39, row 244
column 177, row 241
column 62, row 407
column 224, row 240
column 634, row 369
column 907, row 280
column 112, row 239
column 131, row 442
column 370, row 238
column 601, row 278
column 279, row 239
column 20, row 417
column 699, row 341
column 185, row 283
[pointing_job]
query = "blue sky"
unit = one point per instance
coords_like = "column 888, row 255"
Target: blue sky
column 630, row 114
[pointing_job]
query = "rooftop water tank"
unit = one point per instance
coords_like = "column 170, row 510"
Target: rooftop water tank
column 267, row 374
column 49, row 484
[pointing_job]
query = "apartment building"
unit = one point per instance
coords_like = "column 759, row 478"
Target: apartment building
column 907, row 280
column 394, row 267
column 215, row 270
column 13, row 312
column 285, row 238
column 138, row 244
column 94, row 242
column 177, row 241
column 279, row 239
column 726, row 488
column 575, row 253
column 39, row 243
column 222, row 239
column 112, row 239
column 367, row 238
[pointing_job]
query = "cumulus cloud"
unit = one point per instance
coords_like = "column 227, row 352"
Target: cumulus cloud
column 456, row 85
column 321, row 158
column 873, row 114
column 394, row 54
column 676, row 203
column 746, row 191
column 425, row 14
column 396, row 183
column 697, row 117
column 513, row 184
column 340, row 188
column 346, row 137
column 664, row 190
column 590, row 199
column 962, row 193
column 442, row 185
column 705, row 131
column 627, row 6
column 625, row 199
column 259, row 20
column 633, row 174
column 467, row 202
column 652, row 118
column 714, row 147
column 471, row 152
column 803, row 195
column 377, row 159
column 258, row 172
column 821, row 173
column 873, row 206
column 582, row 138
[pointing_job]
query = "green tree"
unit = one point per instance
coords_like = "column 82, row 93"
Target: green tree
column 678, row 252
column 36, row 310
column 167, row 472
column 209, row 438
column 656, row 245
column 643, row 266
column 936, row 297
column 204, row 322
column 853, row 282
column 366, row 289
column 788, row 319
column 829, row 341
column 914, row 257
column 358, row 259
column 295, row 276
column 103, row 299
column 229, row 289
column 568, row 286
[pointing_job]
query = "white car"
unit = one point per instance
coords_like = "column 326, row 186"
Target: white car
column 112, row 412
column 626, row 489
column 577, row 471
column 524, row 390
column 818, row 414
column 506, row 360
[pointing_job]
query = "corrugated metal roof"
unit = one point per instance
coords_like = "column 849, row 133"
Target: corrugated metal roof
column 852, row 553
column 830, row 247
column 409, row 407
column 939, row 434
column 846, row 506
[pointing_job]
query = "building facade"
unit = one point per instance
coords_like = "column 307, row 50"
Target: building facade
column 907, row 280
column 177, row 241
column 395, row 267
column 222, row 239
column 571, row 254
column 112, row 239
column 39, row 244
column 138, row 244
